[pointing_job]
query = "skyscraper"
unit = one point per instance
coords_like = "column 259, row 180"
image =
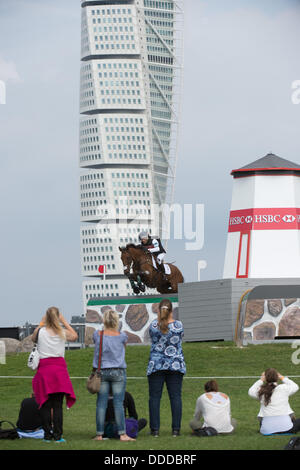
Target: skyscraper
column 130, row 83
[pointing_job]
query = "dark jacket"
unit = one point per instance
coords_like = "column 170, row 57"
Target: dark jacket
column 29, row 416
column 129, row 408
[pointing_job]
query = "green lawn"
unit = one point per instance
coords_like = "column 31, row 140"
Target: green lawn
column 221, row 360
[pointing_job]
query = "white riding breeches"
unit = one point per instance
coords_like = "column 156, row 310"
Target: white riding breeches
column 160, row 258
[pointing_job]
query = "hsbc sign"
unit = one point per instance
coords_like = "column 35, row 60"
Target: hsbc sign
column 264, row 219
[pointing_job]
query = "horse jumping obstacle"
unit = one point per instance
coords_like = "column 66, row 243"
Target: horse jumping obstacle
column 240, row 310
column 136, row 313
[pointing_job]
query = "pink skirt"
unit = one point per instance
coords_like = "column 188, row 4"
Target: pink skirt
column 52, row 377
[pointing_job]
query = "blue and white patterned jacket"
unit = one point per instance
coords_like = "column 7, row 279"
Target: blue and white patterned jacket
column 166, row 349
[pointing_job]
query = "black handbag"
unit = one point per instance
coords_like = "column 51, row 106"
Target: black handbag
column 293, row 444
column 10, row 433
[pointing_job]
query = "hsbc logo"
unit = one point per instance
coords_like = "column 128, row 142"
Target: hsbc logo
column 288, row 218
column 264, row 219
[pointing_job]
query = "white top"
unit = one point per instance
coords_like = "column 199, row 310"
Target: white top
column 50, row 345
column 215, row 409
column 276, row 414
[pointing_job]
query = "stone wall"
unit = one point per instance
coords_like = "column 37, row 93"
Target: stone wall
column 265, row 319
column 135, row 318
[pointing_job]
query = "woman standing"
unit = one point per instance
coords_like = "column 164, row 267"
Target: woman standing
column 166, row 365
column 275, row 414
column 113, row 374
column 52, row 382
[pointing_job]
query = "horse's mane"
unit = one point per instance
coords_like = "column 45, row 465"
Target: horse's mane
column 132, row 245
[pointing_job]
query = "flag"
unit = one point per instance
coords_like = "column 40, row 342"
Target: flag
column 102, row 269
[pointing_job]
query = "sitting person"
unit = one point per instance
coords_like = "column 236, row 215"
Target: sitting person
column 110, row 428
column 29, row 415
column 275, row 414
column 214, row 407
column 29, row 422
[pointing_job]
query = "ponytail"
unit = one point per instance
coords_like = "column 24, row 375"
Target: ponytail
column 267, row 388
column 164, row 312
column 52, row 321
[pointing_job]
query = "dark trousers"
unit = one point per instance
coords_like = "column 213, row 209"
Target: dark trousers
column 296, row 426
column 52, row 416
column 173, row 381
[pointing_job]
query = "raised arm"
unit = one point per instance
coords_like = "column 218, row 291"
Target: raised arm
column 253, row 391
column 71, row 334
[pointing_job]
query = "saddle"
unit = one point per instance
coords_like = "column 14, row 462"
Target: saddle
column 166, row 266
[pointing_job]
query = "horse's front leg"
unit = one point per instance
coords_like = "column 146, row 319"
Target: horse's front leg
column 140, row 283
column 132, row 279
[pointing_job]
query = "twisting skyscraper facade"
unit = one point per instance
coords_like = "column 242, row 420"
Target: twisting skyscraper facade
column 130, row 80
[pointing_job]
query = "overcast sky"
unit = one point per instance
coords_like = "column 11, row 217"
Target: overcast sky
column 241, row 58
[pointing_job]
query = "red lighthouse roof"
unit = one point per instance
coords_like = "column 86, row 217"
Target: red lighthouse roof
column 270, row 164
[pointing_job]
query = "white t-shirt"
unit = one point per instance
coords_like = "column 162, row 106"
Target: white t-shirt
column 215, row 411
column 50, row 345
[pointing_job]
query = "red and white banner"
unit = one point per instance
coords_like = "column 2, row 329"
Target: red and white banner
column 281, row 218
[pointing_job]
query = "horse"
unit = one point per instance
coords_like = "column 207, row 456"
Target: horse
column 139, row 269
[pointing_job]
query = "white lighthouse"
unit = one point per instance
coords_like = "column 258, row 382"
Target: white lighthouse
column 263, row 231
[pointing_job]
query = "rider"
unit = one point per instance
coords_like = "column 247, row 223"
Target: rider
column 154, row 246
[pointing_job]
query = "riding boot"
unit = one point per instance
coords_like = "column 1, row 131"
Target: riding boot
column 161, row 269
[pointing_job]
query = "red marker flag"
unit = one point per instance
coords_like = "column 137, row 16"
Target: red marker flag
column 102, row 269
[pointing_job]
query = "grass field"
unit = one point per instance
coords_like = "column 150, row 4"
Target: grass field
column 235, row 368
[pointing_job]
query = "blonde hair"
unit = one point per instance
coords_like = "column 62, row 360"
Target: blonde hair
column 111, row 319
column 164, row 311
column 52, row 321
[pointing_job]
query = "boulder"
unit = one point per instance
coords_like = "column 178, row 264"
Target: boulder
column 288, row 302
column 11, row 345
column 120, row 308
column 290, row 322
column 274, row 307
column 92, row 316
column 264, row 331
column 254, row 312
column 105, row 308
column 137, row 316
column 27, row 344
column 88, row 339
column 133, row 338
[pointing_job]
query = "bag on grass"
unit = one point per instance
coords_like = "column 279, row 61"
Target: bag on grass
column 293, row 444
column 8, row 433
column 131, row 427
column 206, row 431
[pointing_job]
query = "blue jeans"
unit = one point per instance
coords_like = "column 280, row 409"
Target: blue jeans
column 114, row 380
column 173, row 382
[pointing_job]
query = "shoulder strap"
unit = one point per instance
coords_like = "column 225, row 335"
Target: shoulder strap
column 101, row 333
column 37, row 336
column 9, row 422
